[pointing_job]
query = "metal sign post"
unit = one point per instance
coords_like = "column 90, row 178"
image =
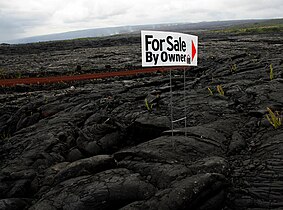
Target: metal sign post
column 185, row 105
column 171, row 103
column 170, row 49
column 185, row 102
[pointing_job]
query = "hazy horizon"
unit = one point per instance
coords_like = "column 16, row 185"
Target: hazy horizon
column 20, row 19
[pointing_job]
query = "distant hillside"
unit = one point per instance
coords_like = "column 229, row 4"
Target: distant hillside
column 274, row 25
column 99, row 32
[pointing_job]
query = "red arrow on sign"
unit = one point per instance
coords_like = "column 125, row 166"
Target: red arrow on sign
column 194, row 51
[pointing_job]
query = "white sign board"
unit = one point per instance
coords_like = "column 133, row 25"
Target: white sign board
column 168, row 49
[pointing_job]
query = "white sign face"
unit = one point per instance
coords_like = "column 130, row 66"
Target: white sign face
column 168, row 49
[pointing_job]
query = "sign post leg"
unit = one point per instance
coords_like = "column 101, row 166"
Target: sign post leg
column 171, row 103
column 185, row 102
column 171, row 107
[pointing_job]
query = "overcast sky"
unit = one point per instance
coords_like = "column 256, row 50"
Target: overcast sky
column 24, row 18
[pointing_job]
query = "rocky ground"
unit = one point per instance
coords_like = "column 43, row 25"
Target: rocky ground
column 96, row 146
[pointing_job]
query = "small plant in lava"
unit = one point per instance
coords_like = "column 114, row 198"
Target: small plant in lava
column 271, row 75
column 233, row 68
column 274, row 118
column 2, row 73
column 5, row 135
column 220, row 90
column 18, row 75
column 148, row 105
column 210, row 91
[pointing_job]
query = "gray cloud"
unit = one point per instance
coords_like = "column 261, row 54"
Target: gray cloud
column 36, row 17
column 16, row 24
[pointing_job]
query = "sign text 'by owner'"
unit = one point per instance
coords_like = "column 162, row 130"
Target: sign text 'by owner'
column 168, row 49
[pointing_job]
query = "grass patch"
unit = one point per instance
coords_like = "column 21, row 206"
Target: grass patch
column 274, row 118
column 147, row 105
column 220, row 90
column 233, row 68
column 2, row 73
column 271, row 75
column 4, row 136
column 210, row 91
column 269, row 26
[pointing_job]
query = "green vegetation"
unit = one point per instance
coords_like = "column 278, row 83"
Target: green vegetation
column 5, row 135
column 210, row 91
column 220, row 90
column 148, row 106
column 274, row 118
column 80, row 39
column 269, row 26
column 2, row 73
column 233, row 68
column 271, row 76
column 18, row 75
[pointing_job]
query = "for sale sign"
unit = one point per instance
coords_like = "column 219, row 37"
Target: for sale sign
column 168, row 49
